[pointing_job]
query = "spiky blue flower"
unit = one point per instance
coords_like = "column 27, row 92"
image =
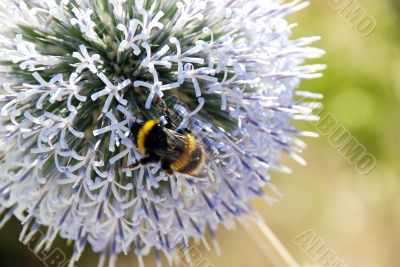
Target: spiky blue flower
column 76, row 74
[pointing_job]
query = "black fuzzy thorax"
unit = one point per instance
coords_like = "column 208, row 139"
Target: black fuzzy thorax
column 156, row 140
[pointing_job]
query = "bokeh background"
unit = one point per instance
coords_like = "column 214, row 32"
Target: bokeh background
column 357, row 216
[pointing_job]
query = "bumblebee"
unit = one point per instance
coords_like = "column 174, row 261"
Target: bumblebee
column 176, row 150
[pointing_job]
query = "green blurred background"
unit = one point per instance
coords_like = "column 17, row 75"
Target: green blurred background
column 357, row 216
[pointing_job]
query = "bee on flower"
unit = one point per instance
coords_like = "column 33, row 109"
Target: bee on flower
column 135, row 126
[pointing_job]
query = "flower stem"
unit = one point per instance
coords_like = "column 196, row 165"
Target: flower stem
column 268, row 242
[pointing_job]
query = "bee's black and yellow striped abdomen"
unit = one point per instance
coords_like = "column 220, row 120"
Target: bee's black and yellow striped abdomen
column 194, row 163
column 176, row 151
column 191, row 160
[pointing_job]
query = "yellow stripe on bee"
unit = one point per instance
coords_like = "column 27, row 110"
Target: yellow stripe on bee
column 143, row 133
column 185, row 158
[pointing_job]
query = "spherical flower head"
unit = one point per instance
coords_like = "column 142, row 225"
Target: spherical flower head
column 76, row 75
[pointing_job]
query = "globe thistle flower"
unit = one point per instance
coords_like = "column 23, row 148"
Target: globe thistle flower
column 75, row 76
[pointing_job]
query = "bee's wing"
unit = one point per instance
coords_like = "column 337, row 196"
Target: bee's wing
column 179, row 140
column 168, row 155
column 176, row 146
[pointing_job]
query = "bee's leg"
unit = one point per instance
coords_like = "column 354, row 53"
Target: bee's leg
column 150, row 159
column 166, row 166
column 133, row 165
column 144, row 161
column 184, row 131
